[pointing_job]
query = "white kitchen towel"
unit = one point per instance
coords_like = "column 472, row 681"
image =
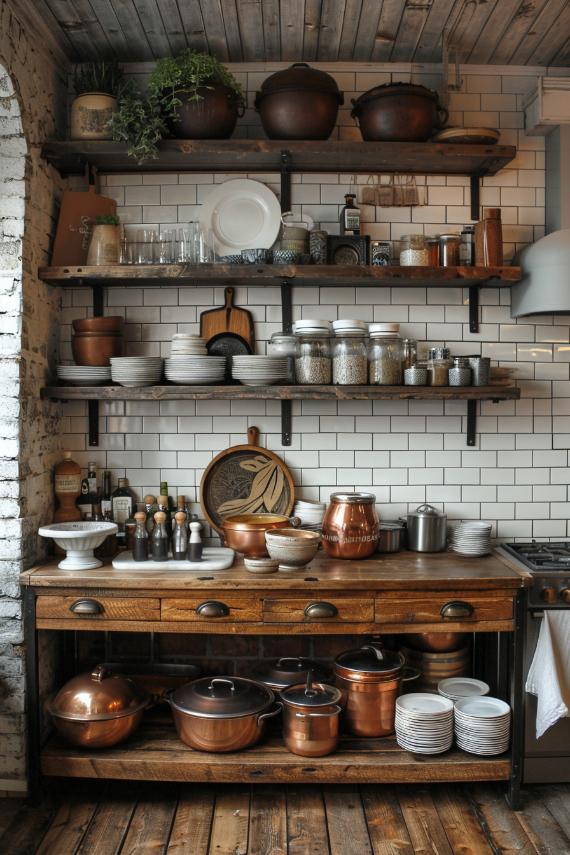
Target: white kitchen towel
column 549, row 674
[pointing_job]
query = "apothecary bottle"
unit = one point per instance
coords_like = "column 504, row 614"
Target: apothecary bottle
column 313, row 362
column 122, row 503
column 350, row 356
column 160, row 540
column 140, row 539
column 385, row 355
column 438, row 365
column 67, row 486
column 180, row 537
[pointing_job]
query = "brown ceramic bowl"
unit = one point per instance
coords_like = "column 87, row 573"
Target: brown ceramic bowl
column 112, row 324
column 95, row 349
column 246, row 532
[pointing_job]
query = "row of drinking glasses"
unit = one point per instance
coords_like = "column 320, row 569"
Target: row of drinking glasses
column 187, row 243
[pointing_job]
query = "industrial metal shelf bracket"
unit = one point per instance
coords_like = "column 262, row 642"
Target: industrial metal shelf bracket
column 471, row 422
column 475, row 196
column 474, row 309
column 287, row 323
column 286, row 161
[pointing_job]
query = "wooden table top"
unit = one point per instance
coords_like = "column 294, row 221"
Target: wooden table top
column 402, row 570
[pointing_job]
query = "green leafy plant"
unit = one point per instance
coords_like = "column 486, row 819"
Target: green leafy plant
column 101, row 77
column 106, row 220
column 140, row 124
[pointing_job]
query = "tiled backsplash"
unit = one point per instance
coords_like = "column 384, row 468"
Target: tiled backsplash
column 405, row 452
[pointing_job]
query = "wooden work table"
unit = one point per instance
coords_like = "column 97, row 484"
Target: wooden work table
column 389, row 594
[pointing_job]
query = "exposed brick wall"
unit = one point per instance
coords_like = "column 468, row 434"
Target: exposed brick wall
column 32, row 109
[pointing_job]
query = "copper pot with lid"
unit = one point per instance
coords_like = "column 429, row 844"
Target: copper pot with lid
column 98, row 709
column 350, row 526
column 289, row 671
column 311, row 714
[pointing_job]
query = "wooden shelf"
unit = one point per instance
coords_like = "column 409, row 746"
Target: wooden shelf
column 237, row 155
column 281, row 393
column 301, row 275
column 155, row 753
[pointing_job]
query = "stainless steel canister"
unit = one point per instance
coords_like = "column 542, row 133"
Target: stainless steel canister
column 480, row 370
column 427, row 529
column 460, row 374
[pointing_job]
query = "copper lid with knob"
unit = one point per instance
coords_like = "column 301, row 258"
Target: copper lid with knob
column 98, row 696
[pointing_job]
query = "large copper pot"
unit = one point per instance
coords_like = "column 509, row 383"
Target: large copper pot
column 350, row 526
column 246, row 532
column 98, row 710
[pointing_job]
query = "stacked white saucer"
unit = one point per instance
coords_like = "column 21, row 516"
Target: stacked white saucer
column 310, row 513
column 195, row 370
column 260, row 370
column 472, row 538
column 188, row 344
column 424, row 723
column 136, row 370
column 456, row 688
column 482, row 725
column 84, row 375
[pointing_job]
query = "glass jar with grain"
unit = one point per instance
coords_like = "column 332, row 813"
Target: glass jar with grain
column 439, row 363
column 313, row 360
column 414, row 251
column 385, row 355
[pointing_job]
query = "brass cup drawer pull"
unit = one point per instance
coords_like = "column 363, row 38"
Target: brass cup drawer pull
column 212, row 609
column 318, row 611
column 86, row 607
column 456, row 610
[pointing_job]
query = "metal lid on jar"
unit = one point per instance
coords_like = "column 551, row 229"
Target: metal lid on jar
column 353, row 498
column 370, row 660
column 425, row 511
column 98, row 696
column 452, row 237
column 309, row 326
column 461, row 361
column 288, row 671
column 311, row 694
column 439, row 353
column 340, row 326
column 222, row 697
column 383, row 329
column 282, row 336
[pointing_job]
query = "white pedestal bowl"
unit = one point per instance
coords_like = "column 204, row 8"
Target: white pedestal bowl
column 79, row 539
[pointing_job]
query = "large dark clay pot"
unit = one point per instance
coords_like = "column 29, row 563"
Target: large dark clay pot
column 212, row 117
column 398, row 112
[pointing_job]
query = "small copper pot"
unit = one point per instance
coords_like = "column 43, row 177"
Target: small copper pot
column 246, row 532
column 311, row 714
column 350, row 526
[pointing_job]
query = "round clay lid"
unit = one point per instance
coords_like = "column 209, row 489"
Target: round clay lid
column 300, row 76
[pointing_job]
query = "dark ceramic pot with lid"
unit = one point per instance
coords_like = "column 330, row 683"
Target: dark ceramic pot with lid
column 398, row 112
column 299, row 103
column 311, row 714
column 370, row 679
column 222, row 714
column 289, row 671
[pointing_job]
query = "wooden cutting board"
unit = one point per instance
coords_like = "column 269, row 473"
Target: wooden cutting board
column 229, row 318
column 76, row 218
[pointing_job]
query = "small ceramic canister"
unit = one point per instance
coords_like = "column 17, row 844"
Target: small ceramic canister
column 318, row 246
column 415, row 376
column 460, row 374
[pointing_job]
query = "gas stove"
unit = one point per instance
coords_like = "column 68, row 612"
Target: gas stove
column 549, row 566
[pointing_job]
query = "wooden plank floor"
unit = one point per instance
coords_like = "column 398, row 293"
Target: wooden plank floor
column 93, row 818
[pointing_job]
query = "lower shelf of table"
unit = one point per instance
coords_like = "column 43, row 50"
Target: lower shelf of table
column 156, row 754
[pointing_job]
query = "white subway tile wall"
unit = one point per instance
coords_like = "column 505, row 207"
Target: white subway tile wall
column 405, row 452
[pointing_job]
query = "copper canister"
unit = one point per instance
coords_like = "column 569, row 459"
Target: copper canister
column 350, row 526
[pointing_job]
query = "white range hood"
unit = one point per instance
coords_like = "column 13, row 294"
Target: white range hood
column 545, row 286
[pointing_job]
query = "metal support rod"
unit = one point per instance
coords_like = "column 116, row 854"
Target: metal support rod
column 286, row 422
column 517, row 700
column 93, row 419
column 285, row 181
column 33, row 697
column 287, row 324
column 471, row 422
column 474, row 309
column 475, row 197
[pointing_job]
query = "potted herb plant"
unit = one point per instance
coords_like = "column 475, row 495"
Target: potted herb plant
column 105, row 243
column 97, row 86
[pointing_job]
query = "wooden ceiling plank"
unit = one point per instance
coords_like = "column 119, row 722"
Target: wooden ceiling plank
column 215, row 31
column 37, row 18
column 541, row 25
column 332, row 17
column 562, row 58
column 96, row 32
column 312, row 29
column 191, row 17
column 112, row 28
column 553, row 41
column 236, row 35
column 468, row 22
column 367, row 29
column 71, row 23
column 271, row 30
column 429, row 47
column 250, row 25
column 387, row 31
column 352, row 12
column 292, row 15
column 521, row 23
column 409, row 33
column 151, row 21
column 173, row 26
column 133, row 29
column 491, row 34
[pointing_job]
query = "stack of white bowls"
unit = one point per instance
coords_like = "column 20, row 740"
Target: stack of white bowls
column 84, row 375
column 482, row 725
column 260, row 370
column 472, row 538
column 310, row 513
column 188, row 344
column 456, row 688
column 136, row 370
column 424, row 723
column 192, row 370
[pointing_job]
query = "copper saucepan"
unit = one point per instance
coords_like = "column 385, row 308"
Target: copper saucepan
column 246, row 532
column 311, row 714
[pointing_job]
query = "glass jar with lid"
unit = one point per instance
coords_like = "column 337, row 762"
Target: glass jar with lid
column 385, row 355
column 350, row 353
column 414, row 251
column 449, row 250
column 284, row 344
column 313, row 360
column 439, row 363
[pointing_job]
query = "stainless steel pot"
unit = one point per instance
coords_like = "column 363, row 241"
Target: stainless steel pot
column 427, row 529
column 222, row 714
column 391, row 536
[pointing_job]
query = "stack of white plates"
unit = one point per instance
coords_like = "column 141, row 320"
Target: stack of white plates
column 260, row 370
column 192, row 370
column 424, row 723
column 84, row 375
column 136, row 370
column 188, row 344
column 482, row 725
column 310, row 513
column 456, row 688
column 472, row 538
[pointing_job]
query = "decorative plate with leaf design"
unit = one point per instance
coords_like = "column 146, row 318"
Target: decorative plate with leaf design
column 246, row 479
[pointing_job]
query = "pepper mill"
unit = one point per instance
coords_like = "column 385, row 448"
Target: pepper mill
column 195, row 545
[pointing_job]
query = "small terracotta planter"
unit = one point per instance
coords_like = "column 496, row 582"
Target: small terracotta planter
column 105, row 245
column 91, row 114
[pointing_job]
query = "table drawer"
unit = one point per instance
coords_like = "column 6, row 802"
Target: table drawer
column 315, row 610
column 98, row 608
column 444, row 608
column 219, row 609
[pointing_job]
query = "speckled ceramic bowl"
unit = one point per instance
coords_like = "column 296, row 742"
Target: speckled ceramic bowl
column 293, row 548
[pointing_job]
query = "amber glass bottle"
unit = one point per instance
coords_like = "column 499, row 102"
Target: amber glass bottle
column 67, row 486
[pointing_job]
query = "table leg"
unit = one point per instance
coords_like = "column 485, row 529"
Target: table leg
column 32, row 697
column 517, row 701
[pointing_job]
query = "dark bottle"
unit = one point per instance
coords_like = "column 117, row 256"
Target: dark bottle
column 350, row 216
column 159, row 543
column 151, row 508
column 130, row 527
column 164, row 492
column 164, row 507
column 89, row 493
column 106, row 492
column 122, row 504
column 181, row 509
column 140, row 539
column 180, row 537
column 195, row 545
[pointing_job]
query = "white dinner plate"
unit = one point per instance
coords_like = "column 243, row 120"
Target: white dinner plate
column 242, row 214
column 424, row 703
column 462, row 687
